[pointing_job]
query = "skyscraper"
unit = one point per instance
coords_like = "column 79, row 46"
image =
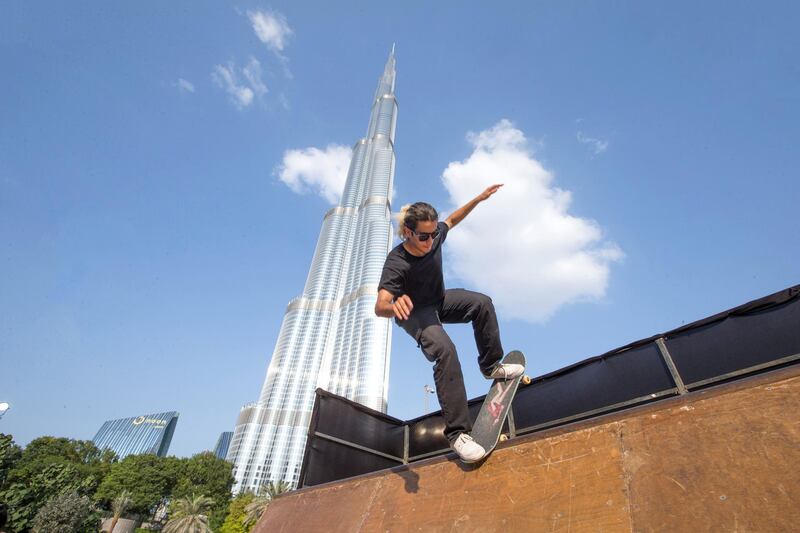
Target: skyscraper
column 330, row 336
column 223, row 443
column 138, row 435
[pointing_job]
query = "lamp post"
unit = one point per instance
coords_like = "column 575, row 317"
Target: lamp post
column 5, row 407
column 427, row 390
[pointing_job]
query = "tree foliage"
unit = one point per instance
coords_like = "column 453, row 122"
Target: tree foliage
column 190, row 515
column 234, row 522
column 10, row 454
column 55, row 473
column 207, row 474
column 149, row 480
column 49, row 467
column 67, row 513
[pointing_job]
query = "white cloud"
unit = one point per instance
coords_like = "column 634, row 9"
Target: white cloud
column 241, row 93
column 252, row 73
column 522, row 247
column 323, row 172
column 184, row 86
column 598, row 145
column 271, row 29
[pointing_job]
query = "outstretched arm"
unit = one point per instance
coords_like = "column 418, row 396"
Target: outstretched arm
column 459, row 214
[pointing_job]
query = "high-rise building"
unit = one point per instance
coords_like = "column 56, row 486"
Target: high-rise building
column 138, row 434
column 223, row 443
column 330, row 336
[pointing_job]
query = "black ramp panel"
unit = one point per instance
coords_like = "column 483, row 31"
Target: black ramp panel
column 330, row 461
column 601, row 382
column 426, row 435
column 355, row 423
column 737, row 342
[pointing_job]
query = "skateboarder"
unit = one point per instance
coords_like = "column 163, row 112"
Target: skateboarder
column 411, row 291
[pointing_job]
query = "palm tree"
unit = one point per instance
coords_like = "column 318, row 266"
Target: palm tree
column 262, row 500
column 119, row 506
column 190, row 515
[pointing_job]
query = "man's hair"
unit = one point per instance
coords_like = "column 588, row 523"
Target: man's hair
column 410, row 214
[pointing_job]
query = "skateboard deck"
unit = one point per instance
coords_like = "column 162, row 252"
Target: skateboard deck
column 492, row 416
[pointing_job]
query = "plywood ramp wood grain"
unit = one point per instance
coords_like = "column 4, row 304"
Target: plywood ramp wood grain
column 727, row 462
column 724, row 459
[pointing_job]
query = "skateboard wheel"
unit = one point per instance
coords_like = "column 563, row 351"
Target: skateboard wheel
column 503, row 438
column 526, row 380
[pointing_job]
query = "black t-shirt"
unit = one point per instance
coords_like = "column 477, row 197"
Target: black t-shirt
column 418, row 277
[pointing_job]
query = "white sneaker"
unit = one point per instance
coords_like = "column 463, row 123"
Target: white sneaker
column 467, row 449
column 506, row 371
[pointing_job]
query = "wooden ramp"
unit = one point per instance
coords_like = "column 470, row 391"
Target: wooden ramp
column 723, row 459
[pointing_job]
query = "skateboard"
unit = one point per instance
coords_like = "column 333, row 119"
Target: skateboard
column 489, row 424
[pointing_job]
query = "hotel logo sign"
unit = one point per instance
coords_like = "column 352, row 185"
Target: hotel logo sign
column 156, row 423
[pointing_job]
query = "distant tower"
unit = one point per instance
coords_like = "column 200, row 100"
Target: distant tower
column 223, row 443
column 330, row 336
column 138, row 434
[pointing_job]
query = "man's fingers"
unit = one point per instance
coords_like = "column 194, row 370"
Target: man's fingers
column 403, row 307
column 490, row 191
column 398, row 311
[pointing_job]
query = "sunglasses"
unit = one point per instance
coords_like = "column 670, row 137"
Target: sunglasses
column 423, row 236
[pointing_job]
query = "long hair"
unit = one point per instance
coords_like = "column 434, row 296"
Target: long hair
column 410, row 214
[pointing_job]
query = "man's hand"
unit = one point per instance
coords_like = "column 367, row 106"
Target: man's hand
column 388, row 306
column 402, row 307
column 459, row 214
column 489, row 191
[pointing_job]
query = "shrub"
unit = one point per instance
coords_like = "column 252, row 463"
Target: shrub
column 67, row 513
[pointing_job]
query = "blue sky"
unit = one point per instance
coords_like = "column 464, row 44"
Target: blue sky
column 148, row 246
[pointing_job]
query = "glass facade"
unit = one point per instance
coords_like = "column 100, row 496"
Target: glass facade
column 330, row 336
column 223, row 443
column 138, row 434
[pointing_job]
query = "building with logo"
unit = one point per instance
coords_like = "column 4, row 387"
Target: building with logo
column 330, row 336
column 223, row 443
column 138, row 434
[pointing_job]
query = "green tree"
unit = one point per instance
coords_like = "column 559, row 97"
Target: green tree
column 190, row 515
column 266, row 493
column 91, row 464
column 49, row 467
column 234, row 522
column 25, row 497
column 67, row 513
column 10, row 454
column 149, row 480
column 207, row 474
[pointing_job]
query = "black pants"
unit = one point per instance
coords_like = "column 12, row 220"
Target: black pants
column 425, row 325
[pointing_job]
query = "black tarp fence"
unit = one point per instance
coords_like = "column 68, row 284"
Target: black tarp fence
column 346, row 439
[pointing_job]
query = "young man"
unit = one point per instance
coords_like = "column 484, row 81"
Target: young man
column 412, row 292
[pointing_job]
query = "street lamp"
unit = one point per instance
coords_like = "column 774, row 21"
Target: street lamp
column 3, row 408
column 427, row 390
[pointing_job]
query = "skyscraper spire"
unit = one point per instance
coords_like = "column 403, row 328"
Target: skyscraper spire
column 330, row 336
column 386, row 83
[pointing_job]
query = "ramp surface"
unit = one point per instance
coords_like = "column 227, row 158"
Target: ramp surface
column 722, row 459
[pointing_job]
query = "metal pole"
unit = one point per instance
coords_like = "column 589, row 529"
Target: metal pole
column 427, row 390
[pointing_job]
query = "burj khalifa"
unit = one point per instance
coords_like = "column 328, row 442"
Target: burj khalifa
column 330, row 336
